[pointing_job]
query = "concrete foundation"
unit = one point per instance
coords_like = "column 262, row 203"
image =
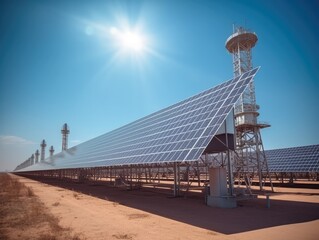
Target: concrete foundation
column 218, row 189
column 222, row 202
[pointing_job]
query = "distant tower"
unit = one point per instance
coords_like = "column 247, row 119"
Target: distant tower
column 32, row 159
column 251, row 158
column 65, row 132
column 37, row 156
column 43, row 145
column 51, row 151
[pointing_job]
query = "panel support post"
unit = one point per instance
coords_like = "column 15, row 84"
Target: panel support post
column 131, row 177
column 229, row 164
column 176, row 179
column 198, row 173
column 219, row 196
column 230, row 174
column 111, row 175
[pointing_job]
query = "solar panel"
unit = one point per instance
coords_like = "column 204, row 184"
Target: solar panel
column 177, row 133
column 296, row 159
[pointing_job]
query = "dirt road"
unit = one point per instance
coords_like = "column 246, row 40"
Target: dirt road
column 100, row 212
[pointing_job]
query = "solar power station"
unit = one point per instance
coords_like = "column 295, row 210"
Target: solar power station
column 210, row 139
column 179, row 133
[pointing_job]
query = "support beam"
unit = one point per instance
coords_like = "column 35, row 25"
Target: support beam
column 176, row 179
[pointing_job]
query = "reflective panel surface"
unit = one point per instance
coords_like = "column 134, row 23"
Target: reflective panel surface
column 177, row 133
column 296, row 159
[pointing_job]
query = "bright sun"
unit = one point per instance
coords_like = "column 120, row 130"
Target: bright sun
column 129, row 40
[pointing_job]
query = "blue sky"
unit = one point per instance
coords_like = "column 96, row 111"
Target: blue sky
column 60, row 63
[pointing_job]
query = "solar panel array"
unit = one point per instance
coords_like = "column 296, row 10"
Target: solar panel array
column 177, row 133
column 296, row 159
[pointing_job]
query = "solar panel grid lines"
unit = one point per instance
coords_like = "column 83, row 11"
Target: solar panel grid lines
column 145, row 117
column 178, row 133
column 212, row 131
column 188, row 124
column 169, row 141
column 296, row 159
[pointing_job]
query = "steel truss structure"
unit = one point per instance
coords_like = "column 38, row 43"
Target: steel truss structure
column 250, row 159
column 179, row 177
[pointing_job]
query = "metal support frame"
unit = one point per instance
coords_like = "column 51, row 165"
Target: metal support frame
column 176, row 187
column 177, row 177
column 251, row 159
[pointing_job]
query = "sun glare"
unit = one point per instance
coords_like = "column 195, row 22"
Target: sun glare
column 128, row 40
column 132, row 41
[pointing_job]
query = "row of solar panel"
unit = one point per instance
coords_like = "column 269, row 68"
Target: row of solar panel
column 297, row 159
column 198, row 96
column 180, row 132
column 207, row 111
column 173, row 129
column 136, row 159
column 293, row 169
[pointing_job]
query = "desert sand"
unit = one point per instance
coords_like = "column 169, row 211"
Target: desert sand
column 97, row 211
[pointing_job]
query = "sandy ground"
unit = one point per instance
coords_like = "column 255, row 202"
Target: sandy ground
column 99, row 212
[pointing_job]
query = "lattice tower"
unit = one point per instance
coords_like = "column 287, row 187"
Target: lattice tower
column 251, row 159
